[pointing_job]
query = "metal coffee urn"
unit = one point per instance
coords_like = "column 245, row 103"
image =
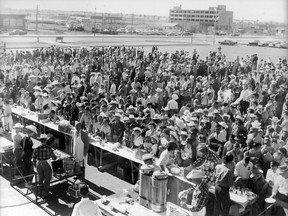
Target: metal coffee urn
column 145, row 185
column 159, row 191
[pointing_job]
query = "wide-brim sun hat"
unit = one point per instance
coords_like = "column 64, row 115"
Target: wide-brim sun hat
column 32, row 128
column 43, row 136
column 18, row 126
column 195, row 174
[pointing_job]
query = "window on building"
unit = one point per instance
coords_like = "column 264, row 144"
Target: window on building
column 283, row 31
column 5, row 22
column 12, row 22
column 19, row 22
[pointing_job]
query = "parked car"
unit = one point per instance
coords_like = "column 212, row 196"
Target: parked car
column 284, row 45
column 235, row 34
column 254, row 43
column 263, row 44
column 227, row 42
column 220, row 33
column 18, row 32
column 187, row 34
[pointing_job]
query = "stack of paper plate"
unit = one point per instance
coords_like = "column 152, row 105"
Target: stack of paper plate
column 175, row 170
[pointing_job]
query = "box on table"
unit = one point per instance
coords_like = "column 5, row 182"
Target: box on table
column 73, row 192
column 42, row 116
column 121, row 171
column 64, row 128
column 69, row 165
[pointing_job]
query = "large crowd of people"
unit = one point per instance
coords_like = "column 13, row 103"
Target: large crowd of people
column 179, row 107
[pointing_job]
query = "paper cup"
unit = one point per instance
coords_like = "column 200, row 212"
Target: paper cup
column 270, row 200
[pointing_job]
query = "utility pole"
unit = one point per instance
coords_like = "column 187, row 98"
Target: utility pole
column 214, row 31
column 132, row 22
column 37, row 12
column 95, row 23
column 215, row 19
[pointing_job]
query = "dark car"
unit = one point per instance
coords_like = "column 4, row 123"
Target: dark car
column 17, row 32
column 254, row 43
column 235, row 34
column 227, row 42
column 284, row 45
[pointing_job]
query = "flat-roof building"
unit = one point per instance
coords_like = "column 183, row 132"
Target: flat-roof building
column 12, row 21
column 202, row 19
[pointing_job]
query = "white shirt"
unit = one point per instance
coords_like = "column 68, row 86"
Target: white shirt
column 245, row 94
column 243, row 171
column 281, row 184
column 271, row 176
column 172, row 105
column 86, row 207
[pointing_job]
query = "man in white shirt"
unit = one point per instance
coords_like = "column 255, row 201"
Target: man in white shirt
column 245, row 93
column 172, row 105
column 243, row 170
column 280, row 192
column 86, row 207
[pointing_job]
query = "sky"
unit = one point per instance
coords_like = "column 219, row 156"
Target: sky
column 262, row 10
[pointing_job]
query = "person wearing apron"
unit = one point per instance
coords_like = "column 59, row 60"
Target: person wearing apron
column 42, row 165
column 80, row 146
column 7, row 119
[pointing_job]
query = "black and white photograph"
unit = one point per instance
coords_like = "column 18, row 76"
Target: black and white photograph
column 143, row 108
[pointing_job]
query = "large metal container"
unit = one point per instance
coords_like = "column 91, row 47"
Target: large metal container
column 145, row 185
column 159, row 191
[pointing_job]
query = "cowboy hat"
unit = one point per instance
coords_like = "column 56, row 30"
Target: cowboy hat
column 117, row 115
column 172, row 133
column 223, row 124
column 226, row 115
column 147, row 157
column 113, row 102
column 18, row 125
column 55, row 82
column 158, row 90
column 37, row 88
column 131, row 117
column 83, row 98
column 137, row 129
column 43, row 136
column 195, row 174
column 32, row 128
column 184, row 133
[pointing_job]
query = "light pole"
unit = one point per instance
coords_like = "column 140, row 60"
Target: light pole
column 37, row 11
column 215, row 19
column 214, row 31
column 95, row 23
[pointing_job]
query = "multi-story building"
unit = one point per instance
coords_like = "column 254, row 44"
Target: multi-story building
column 217, row 17
column 12, row 21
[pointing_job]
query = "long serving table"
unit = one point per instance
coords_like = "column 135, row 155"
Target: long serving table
column 23, row 114
column 122, row 152
column 176, row 183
